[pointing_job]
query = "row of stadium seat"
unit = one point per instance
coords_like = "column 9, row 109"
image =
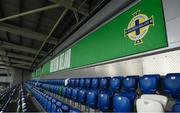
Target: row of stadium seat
column 99, row 93
column 6, row 98
column 53, row 82
column 49, row 103
column 22, row 107
column 4, row 91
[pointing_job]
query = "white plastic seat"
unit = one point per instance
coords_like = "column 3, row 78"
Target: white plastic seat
column 160, row 98
column 148, row 106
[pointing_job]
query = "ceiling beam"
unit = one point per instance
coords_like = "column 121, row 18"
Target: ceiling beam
column 9, row 66
column 14, row 55
column 3, row 66
column 26, row 32
column 11, row 60
column 30, row 12
column 83, row 4
column 23, row 67
column 65, row 3
column 25, row 49
column 50, row 33
column 68, row 4
column 76, row 16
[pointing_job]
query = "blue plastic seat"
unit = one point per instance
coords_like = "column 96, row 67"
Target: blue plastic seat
column 82, row 82
column 77, row 82
column 87, row 83
column 68, row 92
column 172, row 86
column 130, row 83
column 82, row 96
column 65, row 108
column 115, row 83
column 49, row 104
column 176, row 108
column 64, row 90
column 73, row 110
column 171, row 83
column 123, row 102
column 69, row 83
column 63, row 82
column 104, row 83
column 92, row 97
column 72, row 82
column 75, row 94
column 149, row 83
column 58, row 106
column 45, row 102
column 53, row 107
column 55, row 89
column 105, row 100
column 95, row 83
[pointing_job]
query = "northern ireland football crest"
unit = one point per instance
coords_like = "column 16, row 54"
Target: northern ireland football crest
column 138, row 27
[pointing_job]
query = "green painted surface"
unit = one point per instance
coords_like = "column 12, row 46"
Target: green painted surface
column 46, row 68
column 38, row 72
column 33, row 74
column 109, row 41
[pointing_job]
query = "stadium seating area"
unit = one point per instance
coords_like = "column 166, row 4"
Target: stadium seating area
column 128, row 94
column 49, row 103
column 21, row 102
column 5, row 98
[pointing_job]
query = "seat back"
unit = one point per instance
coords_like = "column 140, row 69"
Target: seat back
column 60, row 90
column 149, row 83
column 104, row 83
column 104, row 100
column 171, row 83
column 176, row 108
column 74, row 94
column 87, row 83
column 49, row 104
column 69, row 90
column 150, row 106
column 91, row 100
column 82, row 82
column 72, row 82
column 64, row 90
column 58, row 104
column 53, row 107
column 82, row 96
column 65, row 108
column 130, row 83
column 95, row 83
column 68, row 82
column 115, row 83
column 159, row 98
column 123, row 102
column 77, row 82
column 55, row 89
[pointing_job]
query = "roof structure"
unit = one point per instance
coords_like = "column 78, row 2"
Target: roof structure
column 30, row 29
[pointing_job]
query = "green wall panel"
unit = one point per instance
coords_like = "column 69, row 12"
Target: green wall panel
column 38, row 72
column 33, row 74
column 46, row 68
column 109, row 41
